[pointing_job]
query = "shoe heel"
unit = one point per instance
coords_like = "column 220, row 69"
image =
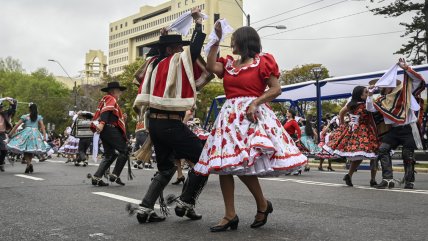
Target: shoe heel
column 234, row 226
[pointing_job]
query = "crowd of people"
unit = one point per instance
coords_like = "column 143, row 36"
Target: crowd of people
column 246, row 140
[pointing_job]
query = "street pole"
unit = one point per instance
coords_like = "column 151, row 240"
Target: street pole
column 75, row 85
column 247, row 16
column 317, row 71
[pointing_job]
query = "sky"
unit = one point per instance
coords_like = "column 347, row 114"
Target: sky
column 34, row 31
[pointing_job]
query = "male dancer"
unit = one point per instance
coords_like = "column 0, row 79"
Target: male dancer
column 398, row 103
column 168, row 90
column 111, row 126
column 5, row 125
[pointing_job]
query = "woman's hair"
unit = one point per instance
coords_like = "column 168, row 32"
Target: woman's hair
column 309, row 131
column 33, row 112
column 247, row 40
column 292, row 112
column 356, row 97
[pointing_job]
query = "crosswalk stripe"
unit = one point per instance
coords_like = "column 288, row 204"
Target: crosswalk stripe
column 326, row 184
column 30, row 177
column 121, row 198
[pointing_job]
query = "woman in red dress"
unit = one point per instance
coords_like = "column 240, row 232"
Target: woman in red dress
column 291, row 126
column 358, row 139
column 247, row 139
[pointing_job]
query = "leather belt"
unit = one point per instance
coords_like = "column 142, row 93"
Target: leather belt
column 165, row 116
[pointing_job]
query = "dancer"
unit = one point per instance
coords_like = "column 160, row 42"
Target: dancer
column 358, row 139
column 398, row 103
column 324, row 138
column 291, row 126
column 109, row 122
column 172, row 140
column 82, row 131
column 5, row 126
column 29, row 141
column 71, row 144
column 247, row 139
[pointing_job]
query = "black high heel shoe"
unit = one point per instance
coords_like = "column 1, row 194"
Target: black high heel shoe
column 31, row 169
column 348, row 180
column 180, row 179
column 27, row 170
column 330, row 169
column 232, row 224
column 320, row 169
column 259, row 223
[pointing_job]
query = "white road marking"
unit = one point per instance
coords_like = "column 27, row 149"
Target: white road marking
column 121, row 198
column 30, row 177
column 326, row 184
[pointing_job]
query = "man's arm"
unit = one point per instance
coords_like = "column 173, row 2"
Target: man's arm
column 198, row 37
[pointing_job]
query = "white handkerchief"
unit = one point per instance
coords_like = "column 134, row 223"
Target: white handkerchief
column 183, row 23
column 389, row 79
column 225, row 28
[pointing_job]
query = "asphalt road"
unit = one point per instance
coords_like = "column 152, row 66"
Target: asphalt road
column 62, row 205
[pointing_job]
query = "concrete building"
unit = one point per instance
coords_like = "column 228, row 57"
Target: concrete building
column 95, row 65
column 128, row 35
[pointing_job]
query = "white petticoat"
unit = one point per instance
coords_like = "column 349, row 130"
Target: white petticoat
column 70, row 146
column 237, row 146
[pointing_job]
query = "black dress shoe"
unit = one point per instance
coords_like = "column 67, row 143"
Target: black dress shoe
column 386, row 183
column 373, row 183
column 180, row 179
column 348, row 180
column 116, row 179
column 98, row 182
column 147, row 215
column 30, row 168
column 231, row 223
column 27, row 170
column 409, row 185
column 259, row 223
column 185, row 209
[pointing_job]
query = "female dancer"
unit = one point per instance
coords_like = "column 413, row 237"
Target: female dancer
column 322, row 155
column 29, row 141
column 358, row 139
column 247, row 139
column 291, row 126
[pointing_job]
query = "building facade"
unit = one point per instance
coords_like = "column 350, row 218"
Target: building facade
column 128, row 35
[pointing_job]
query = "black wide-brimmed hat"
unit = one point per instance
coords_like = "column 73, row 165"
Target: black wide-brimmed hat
column 113, row 85
column 165, row 40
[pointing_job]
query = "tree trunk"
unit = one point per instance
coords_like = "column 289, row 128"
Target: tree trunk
column 425, row 11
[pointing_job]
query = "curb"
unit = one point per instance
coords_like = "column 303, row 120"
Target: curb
column 343, row 167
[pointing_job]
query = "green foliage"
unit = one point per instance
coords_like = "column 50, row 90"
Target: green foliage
column 128, row 96
column 416, row 30
column 205, row 98
column 52, row 98
column 301, row 74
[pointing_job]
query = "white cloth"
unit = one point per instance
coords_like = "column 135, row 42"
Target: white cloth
column 213, row 38
column 95, row 142
column 183, row 23
column 389, row 79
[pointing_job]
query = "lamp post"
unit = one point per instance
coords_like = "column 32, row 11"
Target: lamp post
column 270, row 26
column 247, row 16
column 317, row 71
column 75, row 84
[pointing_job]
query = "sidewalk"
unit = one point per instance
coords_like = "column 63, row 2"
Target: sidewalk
column 365, row 165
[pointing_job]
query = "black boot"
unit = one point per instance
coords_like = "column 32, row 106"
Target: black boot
column 373, row 183
column 159, row 182
column 148, row 215
column 96, row 181
column 409, row 185
column 386, row 183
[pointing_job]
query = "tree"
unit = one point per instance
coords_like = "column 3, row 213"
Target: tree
column 206, row 96
column 416, row 48
column 10, row 64
column 301, row 74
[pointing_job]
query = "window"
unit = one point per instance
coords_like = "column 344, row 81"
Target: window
column 185, row 2
column 179, row 4
column 116, row 28
column 126, row 24
column 120, row 25
column 111, row 29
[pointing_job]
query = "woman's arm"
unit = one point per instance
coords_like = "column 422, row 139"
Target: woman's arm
column 342, row 114
column 212, row 65
column 42, row 127
column 15, row 127
column 269, row 95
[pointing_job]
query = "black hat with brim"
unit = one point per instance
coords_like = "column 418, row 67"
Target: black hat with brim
column 113, row 85
column 165, row 40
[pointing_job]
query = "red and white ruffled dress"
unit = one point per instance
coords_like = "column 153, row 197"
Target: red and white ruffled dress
column 238, row 146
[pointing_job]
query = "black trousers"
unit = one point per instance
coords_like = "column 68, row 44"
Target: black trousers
column 113, row 141
column 84, row 144
column 400, row 135
column 3, row 150
column 172, row 140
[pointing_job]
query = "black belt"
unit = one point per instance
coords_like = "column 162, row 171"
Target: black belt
column 165, row 116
